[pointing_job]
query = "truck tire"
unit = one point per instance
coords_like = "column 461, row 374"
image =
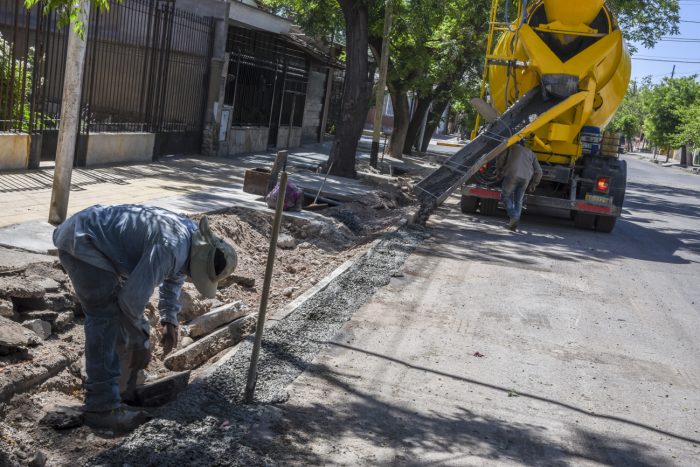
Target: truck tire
column 605, row 224
column 489, row 207
column 469, row 204
column 585, row 221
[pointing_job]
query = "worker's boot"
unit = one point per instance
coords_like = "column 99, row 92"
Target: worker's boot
column 122, row 419
column 513, row 224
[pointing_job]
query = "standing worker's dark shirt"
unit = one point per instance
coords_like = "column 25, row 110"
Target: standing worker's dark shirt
column 521, row 163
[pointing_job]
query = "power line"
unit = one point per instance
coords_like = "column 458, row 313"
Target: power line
column 654, row 57
column 664, row 60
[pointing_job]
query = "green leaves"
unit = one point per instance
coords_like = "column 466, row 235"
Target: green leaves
column 646, row 21
column 320, row 18
column 669, row 111
column 69, row 11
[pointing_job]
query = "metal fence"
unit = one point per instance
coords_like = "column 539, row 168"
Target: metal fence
column 146, row 70
column 267, row 81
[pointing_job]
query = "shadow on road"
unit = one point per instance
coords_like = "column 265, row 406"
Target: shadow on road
column 545, row 238
column 459, row 436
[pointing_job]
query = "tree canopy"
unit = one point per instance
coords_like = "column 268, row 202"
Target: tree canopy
column 665, row 108
column 69, row 11
column 646, row 21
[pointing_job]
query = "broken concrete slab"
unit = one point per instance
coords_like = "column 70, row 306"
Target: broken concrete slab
column 337, row 188
column 14, row 336
column 7, row 309
column 215, row 319
column 46, row 315
column 63, row 418
column 40, row 327
column 196, row 354
column 192, row 306
column 19, row 287
column 186, row 342
column 52, row 270
column 55, row 301
column 46, row 283
column 12, row 260
column 160, row 391
column 64, row 321
column 22, row 377
column 35, row 237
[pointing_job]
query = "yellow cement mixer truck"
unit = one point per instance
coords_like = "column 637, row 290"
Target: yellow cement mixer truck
column 555, row 73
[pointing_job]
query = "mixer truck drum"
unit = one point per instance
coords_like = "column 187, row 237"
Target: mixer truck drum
column 561, row 86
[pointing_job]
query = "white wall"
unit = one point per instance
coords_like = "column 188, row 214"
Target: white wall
column 112, row 148
column 14, row 151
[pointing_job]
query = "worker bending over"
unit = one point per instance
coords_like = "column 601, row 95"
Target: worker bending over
column 521, row 171
column 116, row 256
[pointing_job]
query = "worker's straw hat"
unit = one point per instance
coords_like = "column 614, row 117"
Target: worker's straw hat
column 211, row 259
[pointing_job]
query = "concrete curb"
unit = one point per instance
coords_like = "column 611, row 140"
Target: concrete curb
column 320, row 286
column 293, row 306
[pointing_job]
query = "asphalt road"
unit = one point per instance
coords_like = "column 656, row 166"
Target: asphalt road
column 552, row 346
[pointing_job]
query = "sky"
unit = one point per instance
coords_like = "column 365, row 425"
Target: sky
column 658, row 62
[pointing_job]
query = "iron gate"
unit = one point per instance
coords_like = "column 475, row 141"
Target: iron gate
column 146, row 70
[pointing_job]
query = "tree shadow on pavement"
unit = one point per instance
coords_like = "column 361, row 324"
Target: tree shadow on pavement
column 287, row 432
column 543, row 239
column 663, row 200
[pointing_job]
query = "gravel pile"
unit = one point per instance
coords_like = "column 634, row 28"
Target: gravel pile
column 204, row 426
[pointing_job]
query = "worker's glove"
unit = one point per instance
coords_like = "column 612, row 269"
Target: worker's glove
column 169, row 339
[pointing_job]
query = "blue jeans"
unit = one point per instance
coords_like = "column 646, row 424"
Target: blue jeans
column 97, row 291
column 513, row 195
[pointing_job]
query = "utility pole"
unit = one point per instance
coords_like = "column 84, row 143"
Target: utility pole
column 673, row 72
column 383, row 69
column 70, row 117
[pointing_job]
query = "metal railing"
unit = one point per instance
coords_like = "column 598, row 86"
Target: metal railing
column 146, row 69
column 267, row 80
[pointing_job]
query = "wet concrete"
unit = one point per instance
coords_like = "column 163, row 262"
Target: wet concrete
column 207, row 423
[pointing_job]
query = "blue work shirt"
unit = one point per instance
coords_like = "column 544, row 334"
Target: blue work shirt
column 147, row 246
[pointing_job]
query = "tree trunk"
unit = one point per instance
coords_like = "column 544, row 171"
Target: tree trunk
column 356, row 92
column 433, row 122
column 416, row 125
column 684, row 155
column 402, row 118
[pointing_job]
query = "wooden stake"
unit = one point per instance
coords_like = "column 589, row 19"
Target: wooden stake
column 253, row 370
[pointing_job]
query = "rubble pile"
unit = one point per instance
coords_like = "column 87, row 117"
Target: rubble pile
column 41, row 333
column 39, row 297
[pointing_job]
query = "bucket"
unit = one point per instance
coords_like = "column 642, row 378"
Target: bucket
column 590, row 140
column 256, row 180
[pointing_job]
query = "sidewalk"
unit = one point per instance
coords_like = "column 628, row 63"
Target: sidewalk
column 187, row 185
column 661, row 160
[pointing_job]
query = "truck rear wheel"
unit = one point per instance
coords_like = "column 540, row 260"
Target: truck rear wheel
column 605, row 224
column 584, row 221
column 489, row 207
column 469, row 204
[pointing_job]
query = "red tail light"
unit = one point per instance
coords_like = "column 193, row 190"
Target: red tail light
column 603, row 184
